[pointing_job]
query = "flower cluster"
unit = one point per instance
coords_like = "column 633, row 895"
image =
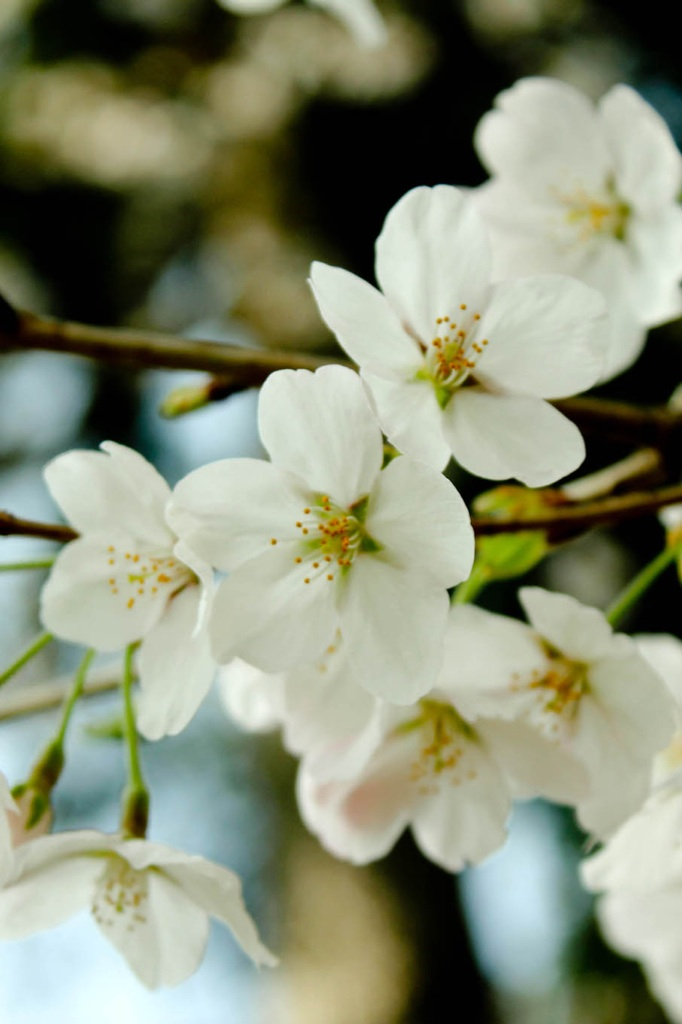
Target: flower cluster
column 321, row 578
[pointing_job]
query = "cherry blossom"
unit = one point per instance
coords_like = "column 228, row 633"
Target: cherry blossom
column 459, row 365
column 322, row 540
column 589, row 191
column 151, row 902
column 128, row 578
column 360, row 16
column 585, row 689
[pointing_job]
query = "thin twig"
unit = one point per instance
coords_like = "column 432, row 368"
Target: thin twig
column 12, row 526
column 33, row 697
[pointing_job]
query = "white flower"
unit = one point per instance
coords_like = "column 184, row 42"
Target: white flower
column 664, row 654
column 360, row 16
column 423, row 767
column 587, row 191
column 152, row 902
column 455, row 363
column 128, row 578
column 585, row 689
column 639, row 872
column 322, row 539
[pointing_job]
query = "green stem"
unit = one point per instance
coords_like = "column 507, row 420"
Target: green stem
column 468, row 591
column 136, row 795
column 74, row 695
column 30, row 652
column 641, row 583
column 45, row 563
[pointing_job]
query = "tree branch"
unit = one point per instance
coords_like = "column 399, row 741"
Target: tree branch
column 12, row 526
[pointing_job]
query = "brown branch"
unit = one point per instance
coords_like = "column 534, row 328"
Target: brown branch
column 11, row 526
column 238, row 367
column 567, row 520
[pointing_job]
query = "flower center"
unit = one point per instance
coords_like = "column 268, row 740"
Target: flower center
column 134, row 575
column 121, row 895
column 558, row 691
column 445, row 741
column 330, row 538
column 453, row 352
column 588, row 215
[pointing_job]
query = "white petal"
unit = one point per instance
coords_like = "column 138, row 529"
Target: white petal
column 266, row 614
column 393, row 624
column 545, row 136
column 359, row 820
column 364, row 322
column 547, row 337
column 484, row 654
column 421, row 522
column 578, row 631
column 361, row 17
column 114, row 491
column 218, row 892
column 410, row 417
column 433, row 255
column 53, row 878
column 464, row 823
column 501, row 436
column 229, row 511
column 649, row 165
column 175, row 667
column 106, row 606
column 254, row 699
column 321, row 427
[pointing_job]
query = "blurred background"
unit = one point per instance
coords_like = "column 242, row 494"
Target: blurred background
column 167, row 165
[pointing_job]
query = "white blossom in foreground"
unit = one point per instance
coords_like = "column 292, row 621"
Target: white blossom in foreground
column 587, row 191
column 321, row 540
column 153, row 903
column 360, row 16
column 129, row 578
column 423, row 767
column 639, row 870
column 459, row 365
column 585, row 689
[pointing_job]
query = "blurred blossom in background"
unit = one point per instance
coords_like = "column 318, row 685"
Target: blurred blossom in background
column 165, row 164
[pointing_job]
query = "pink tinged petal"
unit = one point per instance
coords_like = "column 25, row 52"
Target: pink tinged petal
column 218, row 892
column 502, row 436
column 485, row 656
column 252, row 698
column 266, row 614
column 433, row 255
column 575, row 629
column 421, row 522
column 230, row 511
column 360, row 820
column 109, row 492
column 393, row 624
column 176, row 669
column 360, row 17
column 410, row 417
column 91, row 601
column 647, row 161
column 364, row 322
column 321, row 426
column 535, row 766
column 465, row 820
column 545, row 136
column 547, row 337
